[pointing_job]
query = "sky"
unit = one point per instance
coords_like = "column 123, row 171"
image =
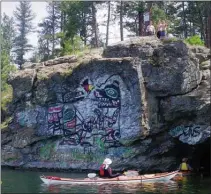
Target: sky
column 39, row 8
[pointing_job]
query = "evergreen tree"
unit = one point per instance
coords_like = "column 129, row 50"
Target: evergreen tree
column 7, row 37
column 24, row 16
column 44, row 40
column 108, row 21
column 54, row 23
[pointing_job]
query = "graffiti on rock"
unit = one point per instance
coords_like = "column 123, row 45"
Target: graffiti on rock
column 81, row 128
column 80, row 93
column 28, row 118
column 190, row 134
column 55, row 119
column 87, row 116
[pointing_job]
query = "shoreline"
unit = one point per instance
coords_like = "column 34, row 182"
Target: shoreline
column 46, row 169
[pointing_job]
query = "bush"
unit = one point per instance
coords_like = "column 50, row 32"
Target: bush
column 6, row 97
column 194, row 40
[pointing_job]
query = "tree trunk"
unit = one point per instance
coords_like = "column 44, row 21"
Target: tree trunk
column 48, row 49
column 184, row 20
column 85, row 31
column 209, row 26
column 141, row 23
column 136, row 27
column 53, row 29
column 203, row 23
column 94, row 25
column 121, row 23
column 108, row 20
column 141, row 18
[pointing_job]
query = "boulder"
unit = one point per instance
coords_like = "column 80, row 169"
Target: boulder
column 22, row 82
column 168, row 69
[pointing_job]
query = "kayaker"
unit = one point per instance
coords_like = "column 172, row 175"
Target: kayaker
column 106, row 171
column 184, row 166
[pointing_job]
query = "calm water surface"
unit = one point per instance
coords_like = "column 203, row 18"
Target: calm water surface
column 16, row 181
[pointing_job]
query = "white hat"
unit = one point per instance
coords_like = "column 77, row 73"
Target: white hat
column 107, row 161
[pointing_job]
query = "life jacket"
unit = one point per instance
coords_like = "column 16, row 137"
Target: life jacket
column 105, row 172
column 102, row 170
column 184, row 166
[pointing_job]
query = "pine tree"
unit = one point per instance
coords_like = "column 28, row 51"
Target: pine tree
column 121, row 20
column 7, row 37
column 8, row 33
column 24, row 16
column 44, row 41
column 54, row 23
column 108, row 21
column 95, row 31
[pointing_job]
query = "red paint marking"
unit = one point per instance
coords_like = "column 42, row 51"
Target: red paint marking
column 71, row 124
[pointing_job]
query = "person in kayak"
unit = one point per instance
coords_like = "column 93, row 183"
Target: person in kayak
column 184, row 166
column 106, row 171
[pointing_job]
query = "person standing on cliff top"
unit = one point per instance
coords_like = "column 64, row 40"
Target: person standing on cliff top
column 150, row 29
column 162, row 28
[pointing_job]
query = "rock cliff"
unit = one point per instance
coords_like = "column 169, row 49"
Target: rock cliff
column 139, row 104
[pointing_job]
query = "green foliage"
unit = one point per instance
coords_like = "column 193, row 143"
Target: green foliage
column 72, row 46
column 131, row 9
column 35, row 58
column 6, row 67
column 24, row 16
column 4, row 124
column 158, row 14
column 194, row 40
column 6, row 97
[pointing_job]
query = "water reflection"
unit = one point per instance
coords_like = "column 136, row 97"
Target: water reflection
column 14, row 181
column 160, row 187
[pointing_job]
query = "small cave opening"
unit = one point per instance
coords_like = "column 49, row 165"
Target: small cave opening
column 201, row 158
column 198, row 156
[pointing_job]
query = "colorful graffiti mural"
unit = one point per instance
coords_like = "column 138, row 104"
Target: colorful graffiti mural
column 55, row 119
column 86, row 116
column 80, row 93
column 102, row 121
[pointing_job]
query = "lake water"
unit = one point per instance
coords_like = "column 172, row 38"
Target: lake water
column 17, row 181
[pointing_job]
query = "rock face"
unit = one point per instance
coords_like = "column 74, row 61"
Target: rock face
column 134, row 106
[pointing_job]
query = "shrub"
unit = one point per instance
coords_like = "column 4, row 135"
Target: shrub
column 194, row 40
column 6, row 97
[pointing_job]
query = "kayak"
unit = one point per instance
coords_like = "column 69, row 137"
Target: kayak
column 186, row 173
column 121, row 179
